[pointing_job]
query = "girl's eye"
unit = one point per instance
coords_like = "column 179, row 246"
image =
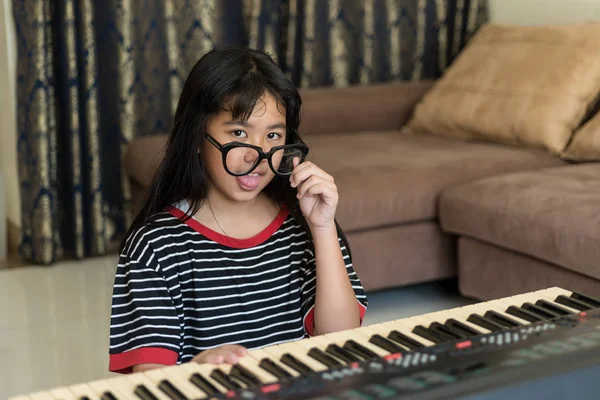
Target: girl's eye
column 239, row 134
column 273, row 135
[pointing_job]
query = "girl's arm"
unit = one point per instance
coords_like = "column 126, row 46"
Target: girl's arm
column 336, row 308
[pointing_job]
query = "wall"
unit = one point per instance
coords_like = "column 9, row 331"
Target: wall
column 8, row 146
column 537, row 12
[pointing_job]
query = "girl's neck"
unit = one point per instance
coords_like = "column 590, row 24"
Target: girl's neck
column 223, row 215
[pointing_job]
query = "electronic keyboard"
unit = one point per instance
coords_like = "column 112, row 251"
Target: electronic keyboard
column 481, row 348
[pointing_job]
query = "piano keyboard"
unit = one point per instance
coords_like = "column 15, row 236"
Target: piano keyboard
column 265, row 367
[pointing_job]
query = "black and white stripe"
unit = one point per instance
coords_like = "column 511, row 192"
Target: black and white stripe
column 178, row 290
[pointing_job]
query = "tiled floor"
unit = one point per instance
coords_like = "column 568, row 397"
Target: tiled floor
column 54, row 321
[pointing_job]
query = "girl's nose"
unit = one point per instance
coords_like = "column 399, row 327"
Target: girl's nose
column 250, row 156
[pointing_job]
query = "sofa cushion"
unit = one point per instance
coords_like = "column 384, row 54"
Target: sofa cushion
column 387, row 178
column 551, row 214
column 526, row 85
column 585, row 145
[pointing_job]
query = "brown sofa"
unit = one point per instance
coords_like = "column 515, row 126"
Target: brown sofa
column 405, row 199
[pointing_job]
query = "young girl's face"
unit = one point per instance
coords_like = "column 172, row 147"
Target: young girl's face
column 264, row 128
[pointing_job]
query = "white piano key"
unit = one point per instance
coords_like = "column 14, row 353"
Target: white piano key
column 406, row 330
column 500, row 306
column 252, row 365
column 41, row 396
column 203, row 370
column 179, row 378
column 226, row 368
column 123, row 388
column 62, row 394
column 261, row 354
column 320, row 342
column 301, row 353
column 156, row 376
column 551, row 295
column 83, row 390
column 141, row 379
column 342, row 337
column 101, row 386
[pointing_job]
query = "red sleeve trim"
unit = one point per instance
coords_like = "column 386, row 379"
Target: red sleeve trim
column 309, row 318
column 256, row 240
column 309, row 322
column 123, row 363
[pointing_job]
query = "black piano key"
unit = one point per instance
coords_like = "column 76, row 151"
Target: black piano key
column 84, row 398
column 406, row 341
column 359, row 350
column 108, row 396
column 523, row 314
column 573, row 303
column 502, row 319
column 242, row 374
column 342, row 354
column 435, row 337
column 555, row 308
column 386, row 344
column 586, row 299
column 204, row 384
column 274, row 369
column 542, row 312
column 225, row 380
column 459, row 326
column 436, row 326
column 167, row 388
column 143, row 393
column 324, row 358
column 296, row 364
column 485, row 323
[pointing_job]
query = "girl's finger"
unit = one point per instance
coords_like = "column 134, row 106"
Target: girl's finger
column 313, row 180
column 231, row 358
column 300, row 175
column 214, row 358
column 294, row 180
column 236, row 349
column 329, row 195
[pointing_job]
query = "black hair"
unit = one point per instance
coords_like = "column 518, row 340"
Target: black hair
column 235, row 78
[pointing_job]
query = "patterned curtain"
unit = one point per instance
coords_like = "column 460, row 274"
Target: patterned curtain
column 93, row 75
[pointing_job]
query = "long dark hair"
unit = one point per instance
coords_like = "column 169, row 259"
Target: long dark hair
column 233, row 77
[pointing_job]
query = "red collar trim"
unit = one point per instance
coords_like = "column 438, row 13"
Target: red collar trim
column 259, row 238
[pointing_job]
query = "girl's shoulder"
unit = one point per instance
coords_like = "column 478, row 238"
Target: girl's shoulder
column 154, row 228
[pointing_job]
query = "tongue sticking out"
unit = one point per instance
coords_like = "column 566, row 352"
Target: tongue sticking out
column 249, row 182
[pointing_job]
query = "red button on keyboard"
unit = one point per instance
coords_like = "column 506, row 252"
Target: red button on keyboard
column 271, row 388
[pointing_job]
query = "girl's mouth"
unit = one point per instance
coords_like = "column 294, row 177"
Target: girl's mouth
column 249, row 182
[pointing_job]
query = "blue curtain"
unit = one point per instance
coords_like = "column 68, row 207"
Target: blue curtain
column 93, row 75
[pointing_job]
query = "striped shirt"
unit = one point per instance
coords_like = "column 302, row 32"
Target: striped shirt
column 181, row 288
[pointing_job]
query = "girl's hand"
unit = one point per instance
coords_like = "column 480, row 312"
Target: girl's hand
column 317, row 194
column 229, row 354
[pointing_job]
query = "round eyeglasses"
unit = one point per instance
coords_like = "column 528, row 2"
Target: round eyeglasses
column 240, row 158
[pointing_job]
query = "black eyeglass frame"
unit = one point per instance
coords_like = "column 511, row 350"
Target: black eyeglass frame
column 226, row 148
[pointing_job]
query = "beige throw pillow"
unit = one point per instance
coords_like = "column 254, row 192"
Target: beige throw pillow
column 585, row 145
column 516, row 85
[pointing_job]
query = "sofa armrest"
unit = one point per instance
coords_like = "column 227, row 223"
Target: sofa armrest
column 144, row 155
column 382, row 106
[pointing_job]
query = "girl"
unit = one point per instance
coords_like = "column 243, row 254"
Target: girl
column 236, row 246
